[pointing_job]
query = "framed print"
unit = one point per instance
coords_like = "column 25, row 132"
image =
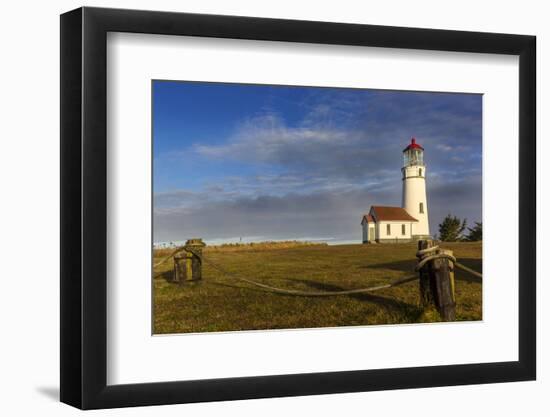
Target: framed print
column 257, row 207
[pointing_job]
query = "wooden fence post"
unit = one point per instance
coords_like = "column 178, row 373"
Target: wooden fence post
column 426, row 297
column 437, row 282
column 181, row 274
column 451, row 273
column 188, row 263
column 424, row 275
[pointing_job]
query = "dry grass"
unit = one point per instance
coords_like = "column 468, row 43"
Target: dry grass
column 236, row 247
column 220, row 303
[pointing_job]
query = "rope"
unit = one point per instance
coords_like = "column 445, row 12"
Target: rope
column 313, row 293
column 471, row 271
column 421, row 254
column 174, row 252
column 424, row 259
column 427, row 259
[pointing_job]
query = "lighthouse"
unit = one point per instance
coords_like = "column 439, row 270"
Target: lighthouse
column 390, row 224
column 414, row 189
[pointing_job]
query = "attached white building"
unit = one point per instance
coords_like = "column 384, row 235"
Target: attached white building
column 388, row 224
column 410, row 221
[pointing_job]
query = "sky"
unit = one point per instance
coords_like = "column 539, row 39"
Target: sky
column 261, row 162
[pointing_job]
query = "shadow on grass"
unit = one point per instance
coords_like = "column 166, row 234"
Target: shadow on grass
column 407, row 266
column 412, row 312
column 168, row 276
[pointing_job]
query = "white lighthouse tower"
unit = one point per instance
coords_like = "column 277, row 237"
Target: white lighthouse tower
column 389, row 224
column 414, row 189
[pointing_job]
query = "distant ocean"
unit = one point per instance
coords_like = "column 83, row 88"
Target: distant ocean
column 257, row 239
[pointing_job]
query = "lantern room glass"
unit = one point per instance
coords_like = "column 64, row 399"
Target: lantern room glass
column 413, row 156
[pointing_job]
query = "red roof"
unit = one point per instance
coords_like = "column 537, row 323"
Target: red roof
column 413, row 145
column 384, row 213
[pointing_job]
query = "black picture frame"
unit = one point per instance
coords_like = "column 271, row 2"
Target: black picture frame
column 84, row 207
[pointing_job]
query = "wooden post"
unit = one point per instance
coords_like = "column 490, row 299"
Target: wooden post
column 437, row 282
column 188, row 264
column 444, row 294
column 451, row 272
column 182, row 273
column 426, row 297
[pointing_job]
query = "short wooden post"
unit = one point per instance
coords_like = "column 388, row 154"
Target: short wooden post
column 182, row 272
column 426, row 297
column 437, row 282
column 444, row 294
column 188, row 263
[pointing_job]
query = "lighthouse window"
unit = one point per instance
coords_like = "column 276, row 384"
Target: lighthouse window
column 421, row 208
column 388, row 229
column 420, row 172
column 403, row 229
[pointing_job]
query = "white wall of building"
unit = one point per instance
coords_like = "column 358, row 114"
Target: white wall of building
column 395, row 230
column 369, row 231
column 414, row 194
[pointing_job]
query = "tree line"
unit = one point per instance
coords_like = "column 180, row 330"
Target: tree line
column 453, row 229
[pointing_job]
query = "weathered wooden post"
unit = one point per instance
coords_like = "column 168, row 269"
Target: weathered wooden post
column 426, row 297
column 188, row 263
column 451, row 272
column 437, row 281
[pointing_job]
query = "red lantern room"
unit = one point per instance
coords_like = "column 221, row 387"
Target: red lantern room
column 413, row 154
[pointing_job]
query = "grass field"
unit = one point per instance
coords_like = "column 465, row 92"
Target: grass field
column 221, row 303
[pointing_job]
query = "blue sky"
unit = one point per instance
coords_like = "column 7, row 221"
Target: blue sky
column 279, row 162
